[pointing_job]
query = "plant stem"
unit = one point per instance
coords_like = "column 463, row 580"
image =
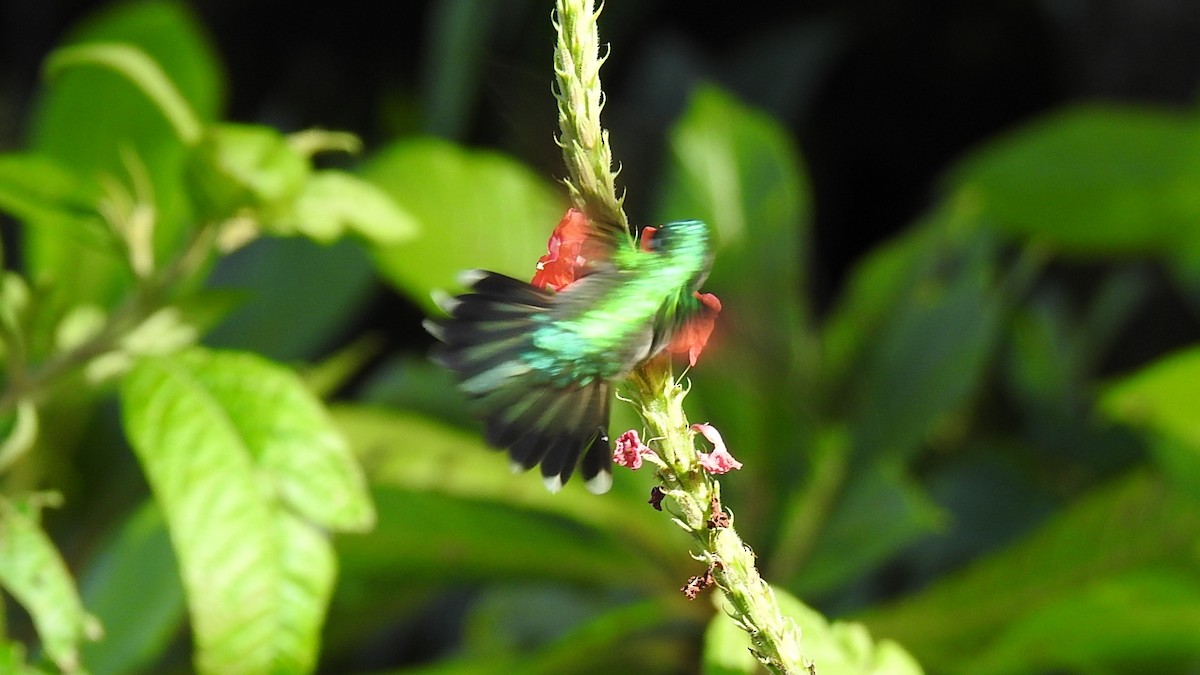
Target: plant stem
column 145, row 300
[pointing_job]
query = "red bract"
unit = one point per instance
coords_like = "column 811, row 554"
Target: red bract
column 565, row 256
column 693, row 336
column 647, row 237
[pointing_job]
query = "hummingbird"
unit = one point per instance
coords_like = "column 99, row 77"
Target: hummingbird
column 542, row 359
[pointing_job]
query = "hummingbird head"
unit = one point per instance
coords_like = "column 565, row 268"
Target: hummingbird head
column 684, row 242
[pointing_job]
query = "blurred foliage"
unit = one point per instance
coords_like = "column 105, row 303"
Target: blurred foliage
column 943, row 461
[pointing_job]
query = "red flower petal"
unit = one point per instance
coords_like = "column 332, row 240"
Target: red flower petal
column 647, row 237
column 693, row 335
column 564, row 252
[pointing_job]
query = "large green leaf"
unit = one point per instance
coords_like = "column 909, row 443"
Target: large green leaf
column 299, row 295
column 1094, row 180
column 474, row 209
column 139, row 625
column 928, row 354
column 881, row 511
column 243, row 462
column 1151, row 624
column 33, row 571
column 99, row 123
column 424, row 467
column 434, row 538
column 1133, row 524
column 640, row 637
column 738, row 170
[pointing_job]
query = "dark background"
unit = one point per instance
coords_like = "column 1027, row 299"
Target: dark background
column 881, row 94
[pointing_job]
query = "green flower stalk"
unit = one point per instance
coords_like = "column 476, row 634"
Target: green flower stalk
column 686, row 476
column 687, row 479
column 584, row 142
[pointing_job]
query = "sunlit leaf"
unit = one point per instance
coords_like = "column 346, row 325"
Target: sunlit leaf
column 473, row 209
column 33, row 572
column 1160, row 399
column 40, row 191
column 12, row 660
column 334, row 203
column 239, row 168
column 237, row 451
column 141, row 70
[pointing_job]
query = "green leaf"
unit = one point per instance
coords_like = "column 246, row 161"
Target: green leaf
column 473, row 209
column 299, row 296
column 40, row 191
column 33, row 571
column 875, row 287
column 1151, row 624
column 12, row 660
column 1093, row 180
column 638, row 637
column 135, row 591
column 737, row 169
column 1134, row 523
column 1160, row 399
column 71, row 127
column 242, row 460
column 928, row 355
column 881, row 511
column 20, row 436
column 238, row 168
column 467, row 497
column 839, row 648
column 333, row 203
column 142, row 71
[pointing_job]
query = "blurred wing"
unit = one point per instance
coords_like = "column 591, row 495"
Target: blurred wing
column 540, row 416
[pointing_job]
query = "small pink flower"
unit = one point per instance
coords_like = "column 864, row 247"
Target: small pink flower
column 719, row 460
column 630, row 450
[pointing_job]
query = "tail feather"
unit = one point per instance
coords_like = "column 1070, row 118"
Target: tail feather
column 486, row 340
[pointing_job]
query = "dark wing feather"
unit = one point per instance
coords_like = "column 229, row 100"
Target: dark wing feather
column 485, row 341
